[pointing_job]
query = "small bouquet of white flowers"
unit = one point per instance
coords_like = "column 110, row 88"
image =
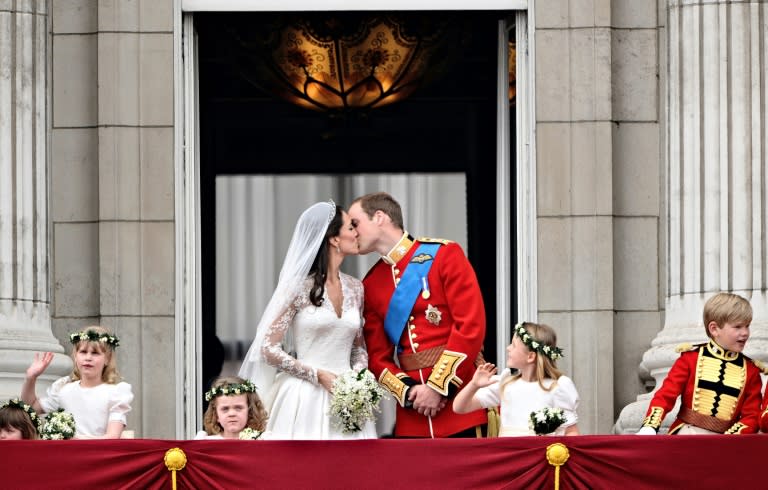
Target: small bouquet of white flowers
column 355, row 400
column 546, row 420
column 249, row 434
column 58, row 425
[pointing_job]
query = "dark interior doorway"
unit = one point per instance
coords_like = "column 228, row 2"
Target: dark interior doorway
column 448, row 125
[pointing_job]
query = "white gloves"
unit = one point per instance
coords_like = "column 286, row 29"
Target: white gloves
column 646, row 431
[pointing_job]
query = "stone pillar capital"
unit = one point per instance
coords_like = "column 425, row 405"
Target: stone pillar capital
column 25, row 323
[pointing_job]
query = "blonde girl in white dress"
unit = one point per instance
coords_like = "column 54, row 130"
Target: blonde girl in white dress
column 536, row 384
column 93, row 393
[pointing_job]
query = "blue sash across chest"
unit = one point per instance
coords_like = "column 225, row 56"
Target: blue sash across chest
column 411, row 283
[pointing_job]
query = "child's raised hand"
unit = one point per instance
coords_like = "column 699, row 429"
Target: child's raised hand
column 39, row 364
column 482, row 376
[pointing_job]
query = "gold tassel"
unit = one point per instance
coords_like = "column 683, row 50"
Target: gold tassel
column 557, row 455
column 175, row 460
column 493, row 422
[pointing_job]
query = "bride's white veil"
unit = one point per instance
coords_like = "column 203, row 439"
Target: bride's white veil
column 307, row 238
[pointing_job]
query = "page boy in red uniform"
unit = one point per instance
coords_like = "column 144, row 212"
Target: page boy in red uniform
column 718, row 385
column 424, row 320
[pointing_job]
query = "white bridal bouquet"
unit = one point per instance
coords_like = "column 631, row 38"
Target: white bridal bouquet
column 249, row 434
column 355, row 400
column 546, row 420
column 58, row 425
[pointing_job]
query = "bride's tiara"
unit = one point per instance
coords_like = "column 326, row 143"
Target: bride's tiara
column 333, row 210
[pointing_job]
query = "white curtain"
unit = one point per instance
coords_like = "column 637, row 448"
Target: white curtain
column 255, row 217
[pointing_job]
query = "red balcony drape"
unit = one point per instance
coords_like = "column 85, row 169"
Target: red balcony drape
column 596, row 462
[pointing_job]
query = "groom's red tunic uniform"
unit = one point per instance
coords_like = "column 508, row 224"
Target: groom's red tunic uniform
column 441, row 340
column 719, row 391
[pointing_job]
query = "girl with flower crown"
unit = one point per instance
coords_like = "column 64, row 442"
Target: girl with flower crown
column 93, row 393
column 532, row 383
column 18, row 420
column 234, row 411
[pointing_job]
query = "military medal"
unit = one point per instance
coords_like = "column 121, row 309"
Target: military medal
column 424, row 288
column 433, row 315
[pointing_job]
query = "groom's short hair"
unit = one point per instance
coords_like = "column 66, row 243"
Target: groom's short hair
column 381, row 201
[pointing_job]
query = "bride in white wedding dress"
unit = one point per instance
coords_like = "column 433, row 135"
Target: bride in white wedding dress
column 316, row 312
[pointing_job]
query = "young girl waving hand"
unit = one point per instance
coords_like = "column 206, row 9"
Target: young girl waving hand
column 93, row 393
column 537, row 384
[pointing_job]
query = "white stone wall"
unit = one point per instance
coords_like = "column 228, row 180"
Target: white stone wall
column 600, row 200
column 25, row 322
column 639, row 48
column 598, row 159
column 112, row 189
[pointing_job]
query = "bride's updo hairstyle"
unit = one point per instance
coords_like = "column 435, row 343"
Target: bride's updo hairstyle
column 319, row 269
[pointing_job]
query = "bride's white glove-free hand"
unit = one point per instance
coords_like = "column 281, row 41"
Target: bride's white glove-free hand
column 646, row 431
column 326, row 379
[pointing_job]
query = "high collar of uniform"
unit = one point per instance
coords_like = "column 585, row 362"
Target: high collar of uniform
column 399, row 250
column 721, row 353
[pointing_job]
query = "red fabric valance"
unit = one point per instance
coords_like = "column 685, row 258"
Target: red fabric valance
column 629, row 462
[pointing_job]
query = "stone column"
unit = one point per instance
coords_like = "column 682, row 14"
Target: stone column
column 25, row 325
column 716, row 176
column 575, row 223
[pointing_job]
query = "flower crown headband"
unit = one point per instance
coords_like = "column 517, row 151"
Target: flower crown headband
column 27, row 408
column 94, row 336
column 230, row 389
column 553, row 352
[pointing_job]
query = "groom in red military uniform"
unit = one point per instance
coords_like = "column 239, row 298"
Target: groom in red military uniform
column 424, row 320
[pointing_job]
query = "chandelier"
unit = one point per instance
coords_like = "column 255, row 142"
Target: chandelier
column 345, row 61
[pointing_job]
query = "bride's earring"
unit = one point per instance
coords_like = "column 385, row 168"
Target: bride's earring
column 338, row 249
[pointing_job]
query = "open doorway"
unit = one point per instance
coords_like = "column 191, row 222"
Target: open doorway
column 447, row 127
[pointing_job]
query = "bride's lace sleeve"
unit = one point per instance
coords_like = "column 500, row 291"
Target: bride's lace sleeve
column 272, row 349
column 359, row 357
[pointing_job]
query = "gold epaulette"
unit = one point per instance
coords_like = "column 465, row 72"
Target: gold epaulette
column 444, row 371
column 426, row 239
column 686, row 347
column 394, row 385
column 760, row 365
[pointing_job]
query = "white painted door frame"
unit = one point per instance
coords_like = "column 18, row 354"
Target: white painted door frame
column 188, row 332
